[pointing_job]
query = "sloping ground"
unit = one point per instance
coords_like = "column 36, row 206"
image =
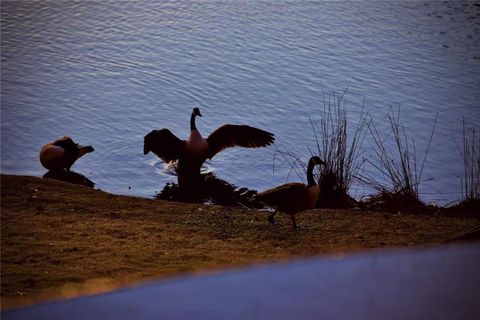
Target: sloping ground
column 385, row 284
column 62, row 240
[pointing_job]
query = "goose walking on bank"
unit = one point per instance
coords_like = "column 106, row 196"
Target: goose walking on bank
column 192, row 153
column 295, row 197
column 62, row 154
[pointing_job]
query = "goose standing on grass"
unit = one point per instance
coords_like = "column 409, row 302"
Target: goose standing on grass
column 193, row 152
column 295, row 197
column 62, row 154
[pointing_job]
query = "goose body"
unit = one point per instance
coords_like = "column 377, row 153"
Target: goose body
column 292, row 198
column 192, row 153
column 196, row 145
column 62, row 154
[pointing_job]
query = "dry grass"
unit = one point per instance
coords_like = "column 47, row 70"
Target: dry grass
column 62, row 240
column 340, row 152
column 398, row 164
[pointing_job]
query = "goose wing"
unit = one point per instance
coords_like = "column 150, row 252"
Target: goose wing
column 72, row 150
column 282, row 194
column 230, row 135
column 164, row 144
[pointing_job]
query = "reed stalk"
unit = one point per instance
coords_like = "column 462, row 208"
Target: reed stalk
column 471, row 164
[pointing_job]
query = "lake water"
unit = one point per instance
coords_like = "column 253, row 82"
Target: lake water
column 108, row 72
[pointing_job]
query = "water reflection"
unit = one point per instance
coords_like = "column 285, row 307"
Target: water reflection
column 210, row 189
column 70, row 176
column 105, row 71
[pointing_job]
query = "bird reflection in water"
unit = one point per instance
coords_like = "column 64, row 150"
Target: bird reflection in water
column 69, row 176
column 210, row 189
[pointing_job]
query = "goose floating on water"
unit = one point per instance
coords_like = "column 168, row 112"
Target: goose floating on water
column 62, row 154
column 193, row 152
column 292, row 198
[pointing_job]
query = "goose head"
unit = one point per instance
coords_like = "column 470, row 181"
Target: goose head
column 315, row 161
column 196, row 112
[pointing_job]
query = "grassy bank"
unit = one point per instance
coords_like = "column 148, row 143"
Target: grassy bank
column 62, row 240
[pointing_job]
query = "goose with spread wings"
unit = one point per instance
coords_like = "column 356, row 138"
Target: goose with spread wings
column 193, row 152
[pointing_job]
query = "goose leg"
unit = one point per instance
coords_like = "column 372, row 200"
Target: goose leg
column 271, row 217
column 293, row 221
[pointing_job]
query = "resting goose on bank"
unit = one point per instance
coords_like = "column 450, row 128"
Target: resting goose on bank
column 62, row 154
column 193, row 152
column 295, row 197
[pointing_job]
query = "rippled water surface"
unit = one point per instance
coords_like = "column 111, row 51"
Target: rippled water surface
column 108, row 72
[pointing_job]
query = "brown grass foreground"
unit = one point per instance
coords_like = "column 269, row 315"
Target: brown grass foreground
column 63, row 240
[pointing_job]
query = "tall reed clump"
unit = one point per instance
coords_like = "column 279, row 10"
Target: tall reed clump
column 398, row 165
column 342, row 156
column 471, row 167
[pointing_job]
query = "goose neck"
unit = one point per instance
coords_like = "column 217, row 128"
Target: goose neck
column 310, row 179
column 192, row 122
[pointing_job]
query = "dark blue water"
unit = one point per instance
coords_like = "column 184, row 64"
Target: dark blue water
column 106, row 73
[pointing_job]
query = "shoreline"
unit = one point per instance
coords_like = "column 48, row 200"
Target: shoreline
column 63, row 240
